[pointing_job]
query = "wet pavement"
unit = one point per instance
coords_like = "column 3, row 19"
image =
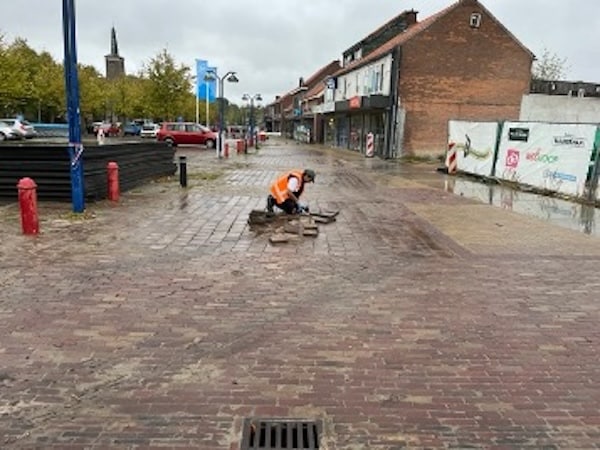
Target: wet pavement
column 421, row 318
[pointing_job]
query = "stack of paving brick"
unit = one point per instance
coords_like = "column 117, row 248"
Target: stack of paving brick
column 286, row 228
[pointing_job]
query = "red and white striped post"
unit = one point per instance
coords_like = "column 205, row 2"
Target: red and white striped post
column 370, row 151
column 451, row 162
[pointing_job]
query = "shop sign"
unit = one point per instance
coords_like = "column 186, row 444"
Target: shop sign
column 354, row 102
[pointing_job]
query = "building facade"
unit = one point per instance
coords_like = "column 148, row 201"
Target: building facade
column 290, row 111
column 404, row 81
column 561, row 101
column 460, row 63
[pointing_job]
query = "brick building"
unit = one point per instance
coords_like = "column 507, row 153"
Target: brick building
column 460, row 63
column 474, row 69
column 290, row 110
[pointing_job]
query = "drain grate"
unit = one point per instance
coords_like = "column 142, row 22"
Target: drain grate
column 280, row 434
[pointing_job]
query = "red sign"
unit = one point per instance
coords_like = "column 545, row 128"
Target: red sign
column 354, row 102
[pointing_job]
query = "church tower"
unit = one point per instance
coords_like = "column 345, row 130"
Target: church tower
column 115, row 64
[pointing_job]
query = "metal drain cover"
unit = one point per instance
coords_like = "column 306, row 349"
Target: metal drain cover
column 280, row 434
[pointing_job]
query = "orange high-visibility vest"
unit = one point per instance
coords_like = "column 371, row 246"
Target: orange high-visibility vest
column 279, row 188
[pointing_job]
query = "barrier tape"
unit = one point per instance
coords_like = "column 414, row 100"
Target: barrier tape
column 76, row 154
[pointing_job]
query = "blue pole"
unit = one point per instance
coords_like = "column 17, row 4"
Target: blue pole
column 72, row 90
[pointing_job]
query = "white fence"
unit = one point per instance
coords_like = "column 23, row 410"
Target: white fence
column 548, row 156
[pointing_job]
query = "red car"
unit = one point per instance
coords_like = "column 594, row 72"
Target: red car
column 176, row 133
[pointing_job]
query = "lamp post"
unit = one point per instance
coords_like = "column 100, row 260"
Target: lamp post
column 229, row 76
column 301, row 90
column 251, row 99
column 72, row 91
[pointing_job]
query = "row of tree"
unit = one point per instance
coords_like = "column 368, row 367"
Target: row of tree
column 32, row 84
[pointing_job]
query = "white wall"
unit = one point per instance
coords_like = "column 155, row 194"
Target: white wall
column 560, row 108
column 366, row 80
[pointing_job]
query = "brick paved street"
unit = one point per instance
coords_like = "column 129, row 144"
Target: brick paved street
column 419, row 319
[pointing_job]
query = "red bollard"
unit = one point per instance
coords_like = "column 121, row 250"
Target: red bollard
column 240, row 146
column 112, row 170
column 28, row 205
column 226, row 153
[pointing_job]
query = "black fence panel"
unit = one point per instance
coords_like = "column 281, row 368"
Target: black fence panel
column 49, row 167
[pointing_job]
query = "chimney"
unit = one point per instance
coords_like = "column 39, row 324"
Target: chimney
column 277, row 97
column 301, row 82
column 411, row 17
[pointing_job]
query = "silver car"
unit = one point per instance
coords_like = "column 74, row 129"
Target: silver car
column 6, row 132
column 21, row 128
column 149, row 130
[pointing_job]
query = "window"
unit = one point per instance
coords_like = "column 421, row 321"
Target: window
column 475, row 20
column 381, row 79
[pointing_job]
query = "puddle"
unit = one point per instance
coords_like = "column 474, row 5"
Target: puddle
column 583, row 218
column 564, row 213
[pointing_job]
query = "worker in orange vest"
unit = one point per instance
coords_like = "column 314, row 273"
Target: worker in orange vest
column 287, row 189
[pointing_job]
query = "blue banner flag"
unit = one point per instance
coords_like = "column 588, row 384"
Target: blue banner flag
column 205, row 89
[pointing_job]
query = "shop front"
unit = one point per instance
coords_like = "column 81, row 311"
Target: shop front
column 354, row 119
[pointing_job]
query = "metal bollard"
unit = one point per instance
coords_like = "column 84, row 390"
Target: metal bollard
column 112, row 170
column 182, row 171
column 28, row 205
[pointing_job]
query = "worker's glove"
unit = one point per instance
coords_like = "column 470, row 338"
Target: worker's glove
column 302, row 208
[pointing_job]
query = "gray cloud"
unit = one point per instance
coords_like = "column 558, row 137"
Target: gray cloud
column 271, row 43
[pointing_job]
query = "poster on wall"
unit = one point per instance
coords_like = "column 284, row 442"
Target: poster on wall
column 547, row 156
column 474, row 143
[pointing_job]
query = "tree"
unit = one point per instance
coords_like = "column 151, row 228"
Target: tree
column 549, row 67
column 169, row 87
column 92, row 87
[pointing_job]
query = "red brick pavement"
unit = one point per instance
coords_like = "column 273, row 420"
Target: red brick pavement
column 163, row 322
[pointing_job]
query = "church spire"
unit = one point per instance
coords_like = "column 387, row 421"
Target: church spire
column 115, row 64
column 114, row 47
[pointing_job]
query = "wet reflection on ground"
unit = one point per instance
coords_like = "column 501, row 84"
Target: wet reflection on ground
column 558, row 211
column 555, row 210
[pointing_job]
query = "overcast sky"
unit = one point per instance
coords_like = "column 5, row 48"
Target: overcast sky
column 271, row 43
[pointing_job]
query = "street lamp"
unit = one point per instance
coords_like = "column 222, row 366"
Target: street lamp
column 251, row 99
column 211, row 75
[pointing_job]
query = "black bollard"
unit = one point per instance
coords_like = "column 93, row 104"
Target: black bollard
column 182, row 171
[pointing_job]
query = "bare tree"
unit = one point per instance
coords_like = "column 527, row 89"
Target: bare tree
column 549, row 66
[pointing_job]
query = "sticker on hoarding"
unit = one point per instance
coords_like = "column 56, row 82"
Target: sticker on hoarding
column 512, row 158
column 556, row 175
column 470, row 151
column 540, row 157
column 570, row 140
column 518, row 134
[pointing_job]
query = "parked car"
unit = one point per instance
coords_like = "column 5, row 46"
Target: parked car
column 6, row 132
column 176, row 133
column 132, row 129
column 22, row 128
column 149, row 130
column 110, row 129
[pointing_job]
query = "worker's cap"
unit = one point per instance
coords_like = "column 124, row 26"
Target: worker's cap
column 311, row 174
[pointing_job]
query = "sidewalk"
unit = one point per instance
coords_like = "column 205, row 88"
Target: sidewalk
column 419, row 319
